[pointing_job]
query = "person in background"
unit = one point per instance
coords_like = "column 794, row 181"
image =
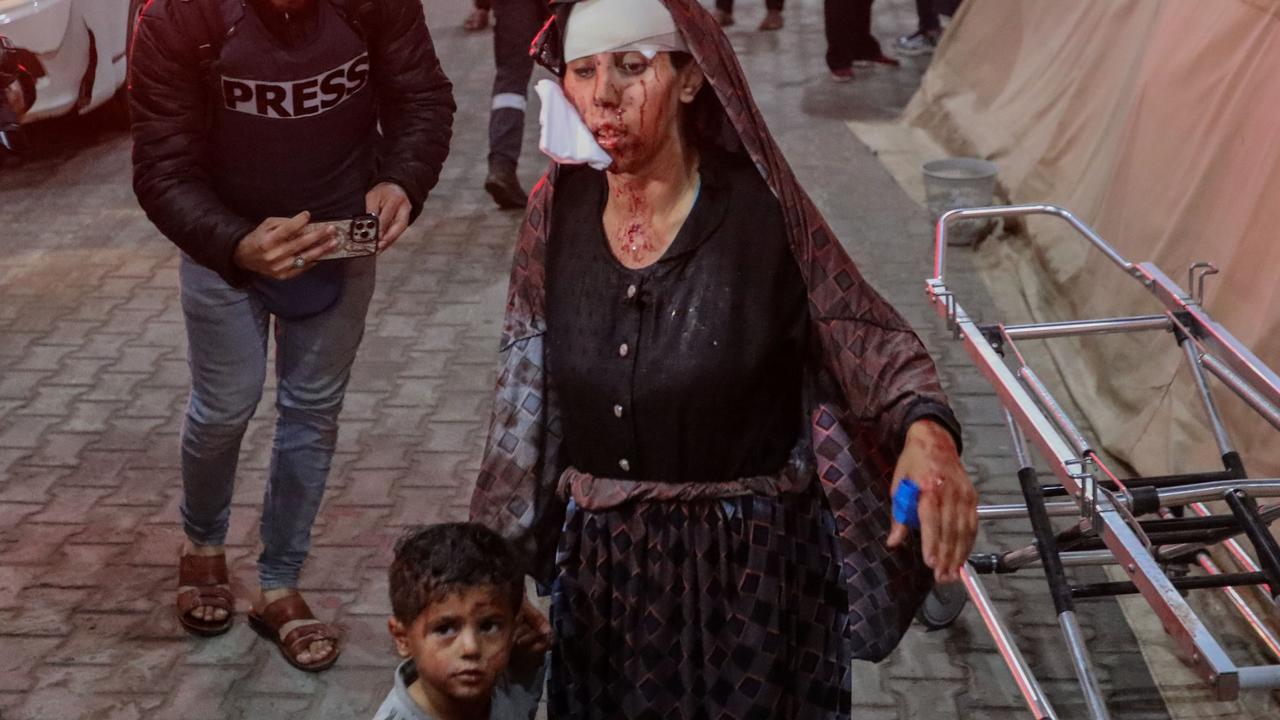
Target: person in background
column 849, row 40
column 478, row 19
column 20, row 94
column 516, row 23
column 16, row 97
column 772, row 17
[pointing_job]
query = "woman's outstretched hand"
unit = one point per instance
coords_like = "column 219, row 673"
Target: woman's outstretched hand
column 948, row 503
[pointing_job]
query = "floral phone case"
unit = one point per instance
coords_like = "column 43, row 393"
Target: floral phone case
column 358, row 236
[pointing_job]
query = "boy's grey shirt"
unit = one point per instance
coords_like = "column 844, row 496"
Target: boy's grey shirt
column 512, row 700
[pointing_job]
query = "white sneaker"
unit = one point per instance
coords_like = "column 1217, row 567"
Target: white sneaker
column 920, row 43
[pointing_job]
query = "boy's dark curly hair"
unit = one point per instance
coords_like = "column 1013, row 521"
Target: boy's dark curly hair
column 435, row 561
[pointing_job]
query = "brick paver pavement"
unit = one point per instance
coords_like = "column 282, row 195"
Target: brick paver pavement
column 93, row 382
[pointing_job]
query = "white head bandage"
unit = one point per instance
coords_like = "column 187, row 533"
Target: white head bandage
column 601, row 26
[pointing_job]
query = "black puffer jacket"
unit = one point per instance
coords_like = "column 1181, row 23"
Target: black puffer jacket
column 169, row 95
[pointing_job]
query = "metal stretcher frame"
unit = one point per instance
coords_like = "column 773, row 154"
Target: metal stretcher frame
column 1140, row 524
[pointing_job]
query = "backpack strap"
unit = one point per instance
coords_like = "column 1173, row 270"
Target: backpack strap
column 361, row 15
column 207, row 23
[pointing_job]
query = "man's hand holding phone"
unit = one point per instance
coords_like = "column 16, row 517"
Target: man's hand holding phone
column 391, row 204
column 284, row 248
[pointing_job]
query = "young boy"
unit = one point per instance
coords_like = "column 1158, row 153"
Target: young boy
column 456, row 599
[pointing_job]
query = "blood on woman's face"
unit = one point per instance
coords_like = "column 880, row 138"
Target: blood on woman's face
column 631, row 104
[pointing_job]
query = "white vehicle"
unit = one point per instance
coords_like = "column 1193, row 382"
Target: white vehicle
column 80, row 50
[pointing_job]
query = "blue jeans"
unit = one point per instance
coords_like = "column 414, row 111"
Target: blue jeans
column 227, row 352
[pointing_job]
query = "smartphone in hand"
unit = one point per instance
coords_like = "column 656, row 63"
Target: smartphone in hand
column 357, row 236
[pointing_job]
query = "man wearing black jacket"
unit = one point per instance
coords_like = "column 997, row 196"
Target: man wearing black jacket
column 251, row 119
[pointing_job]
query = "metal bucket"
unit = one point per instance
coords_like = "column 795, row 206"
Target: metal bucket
column 960, row 183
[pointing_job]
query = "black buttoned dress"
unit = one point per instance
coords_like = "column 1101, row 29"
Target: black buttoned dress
column 689, row 370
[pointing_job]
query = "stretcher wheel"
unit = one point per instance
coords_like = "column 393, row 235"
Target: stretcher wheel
column 942, row 606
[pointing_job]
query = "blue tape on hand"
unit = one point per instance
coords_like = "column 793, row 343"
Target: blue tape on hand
column 905, row 502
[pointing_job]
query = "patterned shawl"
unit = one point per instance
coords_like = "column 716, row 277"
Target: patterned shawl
column 868, row 378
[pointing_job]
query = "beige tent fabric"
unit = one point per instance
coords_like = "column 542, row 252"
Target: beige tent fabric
column 1158, row 123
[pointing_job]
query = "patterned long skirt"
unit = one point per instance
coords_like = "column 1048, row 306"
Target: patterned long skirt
column 709, row 610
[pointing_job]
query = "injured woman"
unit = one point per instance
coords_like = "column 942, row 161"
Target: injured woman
column 702, row 407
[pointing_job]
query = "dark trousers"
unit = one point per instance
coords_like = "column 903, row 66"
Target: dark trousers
column 515, row 24
column 727, row 5
column 927, row 16
column 927, row 12
column 849, row 38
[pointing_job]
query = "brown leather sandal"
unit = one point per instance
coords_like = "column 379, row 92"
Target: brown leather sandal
column 205, row 577
column 286, row 610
